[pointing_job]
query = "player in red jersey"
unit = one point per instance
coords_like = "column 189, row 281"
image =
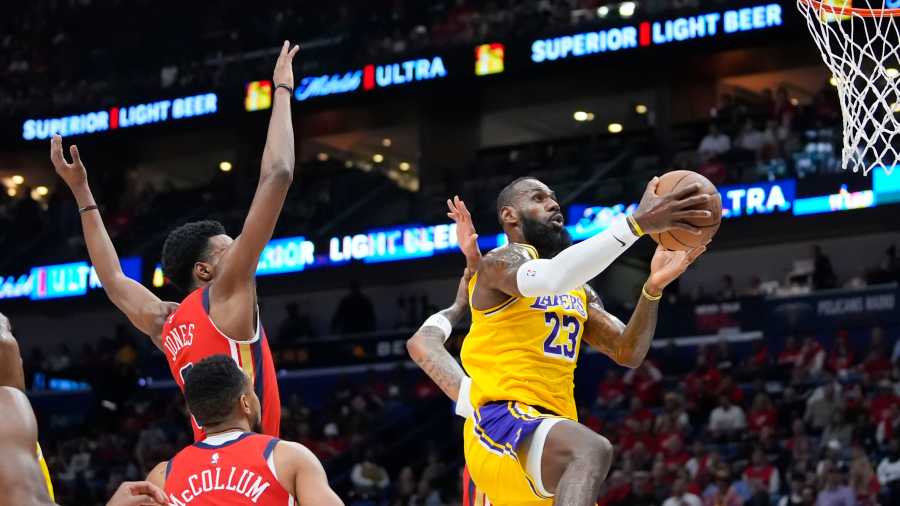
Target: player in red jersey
column 234, row 466
column 220, row 315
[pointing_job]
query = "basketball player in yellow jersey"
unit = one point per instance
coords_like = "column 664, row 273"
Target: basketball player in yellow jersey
column 24, row 479
column 13, row 376
column 531, row 308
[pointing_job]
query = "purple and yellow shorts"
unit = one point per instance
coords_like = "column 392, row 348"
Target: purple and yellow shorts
column 491, row 438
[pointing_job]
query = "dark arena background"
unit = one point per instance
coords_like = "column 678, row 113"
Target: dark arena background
column 792, row 314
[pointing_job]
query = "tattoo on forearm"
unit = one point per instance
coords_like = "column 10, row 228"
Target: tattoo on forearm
column 627, row 345
column 437, row 363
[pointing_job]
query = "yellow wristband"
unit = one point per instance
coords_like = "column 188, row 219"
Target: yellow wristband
column 649, row 297
column 633, row 222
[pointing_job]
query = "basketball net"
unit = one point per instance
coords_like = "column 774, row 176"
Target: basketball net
column 860, row 46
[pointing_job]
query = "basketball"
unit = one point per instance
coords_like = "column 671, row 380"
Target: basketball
column 682, row 240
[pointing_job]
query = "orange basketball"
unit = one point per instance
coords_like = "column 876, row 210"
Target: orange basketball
column 683, row 240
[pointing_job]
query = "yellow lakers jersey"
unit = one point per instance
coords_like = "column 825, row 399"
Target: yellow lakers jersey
column 526, row 350
column 46, row 471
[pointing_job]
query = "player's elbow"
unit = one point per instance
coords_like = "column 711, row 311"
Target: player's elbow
column 414, row 346
column 281, row 173
column 630, row 362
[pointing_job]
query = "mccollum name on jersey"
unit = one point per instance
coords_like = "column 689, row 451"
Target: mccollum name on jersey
column 213, row 481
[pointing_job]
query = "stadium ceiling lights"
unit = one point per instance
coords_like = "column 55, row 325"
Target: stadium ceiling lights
column 42, row 190
column 640, row 109
column 386, row 143
column 225, row 166
column 602, row 11
column 18, row 179
column 615, row 128
column 892, row 72
column 11, row 192
column 626, row 10
column 378, row 158
column 583, row 116
column 322, row 157
column 404, row 166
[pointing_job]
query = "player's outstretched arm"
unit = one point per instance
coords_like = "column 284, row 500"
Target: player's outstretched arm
column 629, row 344
column 465, row 232
column 426, row 346
column 503, row 268
column 21, row 478
column 302, row 475
column 237, row 269
column 144, row 309
column 276, row 174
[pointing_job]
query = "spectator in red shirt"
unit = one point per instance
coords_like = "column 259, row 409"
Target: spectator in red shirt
column 638, row 458
column 813, row 356
column 645, row 380
column 792, row 355
column 877, row 366
column 616, row 490
column 757, row 364
column 727, row 387
column 880, row 407
column 840, row 360
column 760, row 476
column 588, row 420
column 628, row 439
column 666, row 431
column 611, row 394
column 674, row 455
column 699, row 457
column 637, row 413
column 711, row 377
column 761, row 414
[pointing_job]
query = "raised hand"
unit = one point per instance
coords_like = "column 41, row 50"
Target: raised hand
column 667, row 265
column 658, row 213
column 465, row 232
column 284, row 71
column 73, row 173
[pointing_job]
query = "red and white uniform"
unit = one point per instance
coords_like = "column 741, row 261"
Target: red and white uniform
column 767, row 475
column 189, row 336
column 231, row 469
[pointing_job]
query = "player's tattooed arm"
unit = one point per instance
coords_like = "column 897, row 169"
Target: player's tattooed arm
column 628, row 344
column 426, row 346
column 498, row 271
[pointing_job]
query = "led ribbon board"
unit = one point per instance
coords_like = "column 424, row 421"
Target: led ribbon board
column 371, row 77
column 713, row 24
column 121, row 117
column 63, row 280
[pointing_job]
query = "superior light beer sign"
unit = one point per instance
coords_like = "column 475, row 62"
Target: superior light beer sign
column 648, row 33
column 121, row 117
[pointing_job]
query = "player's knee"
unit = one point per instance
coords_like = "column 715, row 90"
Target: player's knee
column 600, row 450
column 595, row 449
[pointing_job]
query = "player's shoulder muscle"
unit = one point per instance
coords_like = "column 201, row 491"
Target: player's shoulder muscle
column 499, row 261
